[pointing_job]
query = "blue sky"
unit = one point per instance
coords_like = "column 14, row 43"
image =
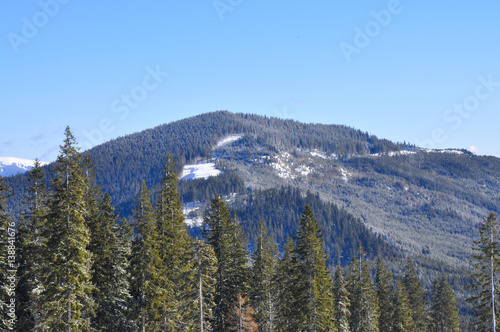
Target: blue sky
column 417, row 71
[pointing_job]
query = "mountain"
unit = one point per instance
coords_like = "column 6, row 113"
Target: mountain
column 395, row 199
column 12, row 166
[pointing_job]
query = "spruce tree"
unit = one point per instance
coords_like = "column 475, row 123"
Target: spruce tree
column 416, row 296
column 67, row 296
column 203, row 285
column 8, row 263
column 402, row 320
column 225, row 235
column 143, row 262
column 286, row 279
column 313, row 305
column 32, row 243
column 383, row 285
column 111, row 248
column 364, row 305
column 264, row 287
column 444, row 311
column 173, row 246
column 241, row 316
column 486, row 273
column 341, row 301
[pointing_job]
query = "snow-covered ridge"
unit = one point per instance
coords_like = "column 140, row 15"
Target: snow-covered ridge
column 229, row 139
column 11, row 166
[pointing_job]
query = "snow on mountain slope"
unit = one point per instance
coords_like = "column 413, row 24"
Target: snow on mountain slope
column 229, row 139
column 11, row 166
column 199, row 171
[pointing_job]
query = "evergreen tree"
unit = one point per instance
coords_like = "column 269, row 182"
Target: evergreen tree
column 173, row 246
column 225, row 235
column 8, row 263
column 203, row 288
column 110, row 246
column 143, row 261
column 402, row 320
column 341, row 301
column 32, row 243
column 67, row 297
column 264, row 287
column 364, row 305
column 286, row 279
column 485, row 272
column 444, row 311
column 313, row 305
column 383, row 285
column 416, row 296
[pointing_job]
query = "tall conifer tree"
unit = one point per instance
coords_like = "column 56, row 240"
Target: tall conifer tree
column 402, row 320
column 286, row 280
column 486, row 272
column 264, row 287
column 313, row 288
column 67, row 296
column 383, row 284
column 341, row 301
column 32, row 242
column 416, row 295
column 444, row 311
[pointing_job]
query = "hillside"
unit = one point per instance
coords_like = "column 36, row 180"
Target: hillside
column 422, row 202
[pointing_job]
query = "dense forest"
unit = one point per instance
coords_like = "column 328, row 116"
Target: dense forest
column 71, row 264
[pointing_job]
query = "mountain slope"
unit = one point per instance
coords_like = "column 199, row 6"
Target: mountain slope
column 12, row 166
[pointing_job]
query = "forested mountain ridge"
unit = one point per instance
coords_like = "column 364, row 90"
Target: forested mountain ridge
column 426, row 203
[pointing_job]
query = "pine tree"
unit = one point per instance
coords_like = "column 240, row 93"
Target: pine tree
column 31, row 232
column 402, row 320
column 286, row 279
column 226, row 237
column 485, row 272
column 67, row 296
column 313, row 288
column 364, row 305
column 111, row 248
column 383, row 285
column 416, row 296
column 8, row 263
column 143, row 261
column 203, row 288
column 174, row 249
column 341, row 301
column 444, row 311
column 264, row 287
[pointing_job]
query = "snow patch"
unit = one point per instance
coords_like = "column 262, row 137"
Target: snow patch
column 199, row 171
column 229, row 139
column 304, row 170
column 345, row 174
column 317, row 153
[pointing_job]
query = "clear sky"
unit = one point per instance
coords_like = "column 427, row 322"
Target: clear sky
column 425, row 72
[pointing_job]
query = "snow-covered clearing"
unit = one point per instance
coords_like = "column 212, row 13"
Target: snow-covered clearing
column 229, row 139
column 199, row 171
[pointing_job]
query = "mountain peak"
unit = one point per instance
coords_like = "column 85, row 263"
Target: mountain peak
column 12, row 166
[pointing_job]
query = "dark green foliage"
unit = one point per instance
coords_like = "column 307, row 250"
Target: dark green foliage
column 341, row 301
column 224, row 234
column 206, row 189
column 313, row 297
column 281, row 210
column 402, row 320
column 264, row 289
column 383, row 285
column 32, row 231
column 444, row 311
column 486, row 274
column 67, row 301
column 416, row 296
column 362, row 296
column 286, row 279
